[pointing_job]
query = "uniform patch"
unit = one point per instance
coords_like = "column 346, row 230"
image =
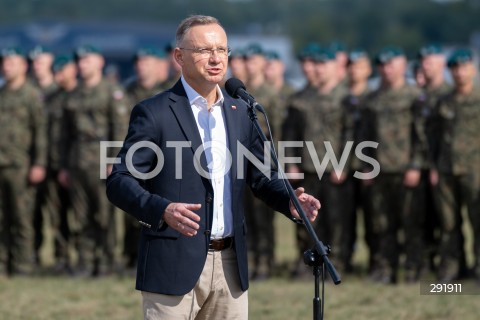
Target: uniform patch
column 118, row 94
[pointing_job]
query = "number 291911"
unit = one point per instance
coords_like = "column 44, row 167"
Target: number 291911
column 443, row 288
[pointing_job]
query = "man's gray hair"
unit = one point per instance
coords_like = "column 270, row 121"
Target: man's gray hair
column 192, row 21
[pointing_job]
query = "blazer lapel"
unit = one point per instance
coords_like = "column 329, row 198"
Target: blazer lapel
column 183, row 112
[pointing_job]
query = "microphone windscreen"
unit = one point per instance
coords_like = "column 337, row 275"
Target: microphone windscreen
column 232, row 85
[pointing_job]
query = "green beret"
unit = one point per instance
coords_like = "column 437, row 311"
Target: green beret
column 460, row 56
column 432, row 48
column 84, row 50
column 388, row 53
column 12, row 51
column 356, row 54
column 272, row 55
column 150, row 51
column 324, row 54
column 254, row 49
column 61, row 61
column 309, row 51
column 38, row 50
column 338, row 46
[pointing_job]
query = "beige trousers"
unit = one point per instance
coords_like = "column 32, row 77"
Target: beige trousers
column 217, row 294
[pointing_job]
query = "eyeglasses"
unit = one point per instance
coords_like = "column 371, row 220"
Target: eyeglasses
column 207, row 52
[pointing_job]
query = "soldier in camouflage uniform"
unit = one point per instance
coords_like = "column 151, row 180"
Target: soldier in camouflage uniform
column 390, row 121
column 259, row 217
column 432, row 65
column 457, row 159
column 236, row 65
column 357, row 192
column 94, row 112
column 41, row 59
column 22, row 161
column 298, row 103
column 317, row 118
column 57, row 194
column 151, row 73
column 275, row 77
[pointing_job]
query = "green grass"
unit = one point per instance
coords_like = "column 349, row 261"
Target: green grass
column 279, row 298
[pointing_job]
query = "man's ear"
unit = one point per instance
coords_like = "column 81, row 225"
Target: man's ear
column 178, row 56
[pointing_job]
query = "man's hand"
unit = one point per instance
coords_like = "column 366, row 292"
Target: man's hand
column 180, row 217
column 310, row 205
column 412, row 178
column 433, row 177
column 36, row 174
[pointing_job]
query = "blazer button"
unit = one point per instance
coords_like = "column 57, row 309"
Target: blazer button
column 209, row 199
column 207, row 232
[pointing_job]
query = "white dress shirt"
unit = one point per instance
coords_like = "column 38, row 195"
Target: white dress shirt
column 211, row 127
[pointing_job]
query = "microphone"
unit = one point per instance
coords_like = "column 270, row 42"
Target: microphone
column 236, row 89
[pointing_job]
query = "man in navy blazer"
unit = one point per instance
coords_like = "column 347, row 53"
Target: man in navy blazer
column 192, row 252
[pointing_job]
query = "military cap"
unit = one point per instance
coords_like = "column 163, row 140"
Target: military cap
column 84, row 50
column 324, row 54
column 12, row 51
column 388, row 53
column 38, row 50
column 356, row 54
column 432, row 48
column 309, row 51
column 61, row 61
column 237, row 53
column 272, row 55
column 338, row 46
column 460, row 56
column 150, row 51
column 254, row 49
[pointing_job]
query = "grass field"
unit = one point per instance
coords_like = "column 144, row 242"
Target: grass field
column 52, row 297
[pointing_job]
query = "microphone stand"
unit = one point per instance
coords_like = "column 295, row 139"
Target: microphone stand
column 318, row 256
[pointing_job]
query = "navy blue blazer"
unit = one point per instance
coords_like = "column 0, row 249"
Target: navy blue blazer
column 170, row 263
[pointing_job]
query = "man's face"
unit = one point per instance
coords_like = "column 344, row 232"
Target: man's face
column 202, row 69
column 308, row 68
column 463, row 73
column 238, row 67
column 90, row 65
column 255, row 64
column 42, row 64
column 146, row 67
column 326, row 70
column 433, row 65
column 13, row 67
column 66, row 74
column 274, row 69
column 393, row 70
column 359, row 70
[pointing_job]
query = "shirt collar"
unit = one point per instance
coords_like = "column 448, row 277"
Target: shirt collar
column 196, row 99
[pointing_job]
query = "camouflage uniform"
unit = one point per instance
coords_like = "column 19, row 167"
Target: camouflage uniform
column 390, row 119
column 23, row 144
column 91, row 115
column 318, row 118
column 259, row 217
column 137, row 92
column 458, row 163
column 423, row 206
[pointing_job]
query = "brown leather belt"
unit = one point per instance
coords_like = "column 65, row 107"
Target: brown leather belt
column 220, row 244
